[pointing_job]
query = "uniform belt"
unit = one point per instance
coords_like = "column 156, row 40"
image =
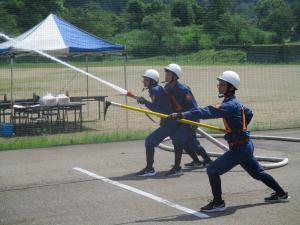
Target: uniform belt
column 163, row 119
column 238, row 142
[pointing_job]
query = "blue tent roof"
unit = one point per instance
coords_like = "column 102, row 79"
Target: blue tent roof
column 54, row 35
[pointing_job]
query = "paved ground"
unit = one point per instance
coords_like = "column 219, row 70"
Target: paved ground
column 40, row 186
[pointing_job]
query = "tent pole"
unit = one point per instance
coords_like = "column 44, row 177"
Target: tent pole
column 87, row 81
column 125, row 83
column 87, row 78
column 11, row 86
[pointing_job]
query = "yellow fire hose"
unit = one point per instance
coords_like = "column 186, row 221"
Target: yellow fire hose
column 274, row 162
column 161, row 115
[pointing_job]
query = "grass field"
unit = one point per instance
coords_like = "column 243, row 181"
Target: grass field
column 270, row 90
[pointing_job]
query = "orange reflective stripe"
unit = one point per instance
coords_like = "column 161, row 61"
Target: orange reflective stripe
column 227, row 128
column 152, row 97
column 244, row 119
column 174, row 102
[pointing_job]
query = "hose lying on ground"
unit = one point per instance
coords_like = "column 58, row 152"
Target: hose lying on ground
column 274, row 162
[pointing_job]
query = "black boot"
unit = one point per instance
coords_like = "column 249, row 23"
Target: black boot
column 176, row 170
column 217, row 204
column 192, row 154
column 215, row 184
column 201, row 151
column 148, row 171
column 149, row 157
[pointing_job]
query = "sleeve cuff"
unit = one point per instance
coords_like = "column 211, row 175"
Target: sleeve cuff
column 186, row 115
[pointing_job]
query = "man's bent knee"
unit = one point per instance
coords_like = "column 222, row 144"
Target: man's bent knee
column 211, row 169
column 150, row 143
column 178, row 144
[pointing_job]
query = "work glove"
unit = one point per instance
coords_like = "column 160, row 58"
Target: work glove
column 141, row 100
column 175, row 116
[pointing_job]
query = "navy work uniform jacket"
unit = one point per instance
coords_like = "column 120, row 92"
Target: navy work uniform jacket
column 160, row 102
column 181, row 97
column 182, row 100
column 236, row 118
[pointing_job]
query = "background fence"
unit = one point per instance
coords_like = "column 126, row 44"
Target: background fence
column 270, row 90
column 258, row 39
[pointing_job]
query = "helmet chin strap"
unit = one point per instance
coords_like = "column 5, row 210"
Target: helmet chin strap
column 174, row 79
column 228, row 93
column 151, row 83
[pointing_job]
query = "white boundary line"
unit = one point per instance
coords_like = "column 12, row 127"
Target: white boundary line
column 143, row 193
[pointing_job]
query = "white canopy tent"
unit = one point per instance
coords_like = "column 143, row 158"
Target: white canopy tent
column 57, row 37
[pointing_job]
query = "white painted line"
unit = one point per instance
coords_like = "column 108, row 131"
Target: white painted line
column 143, row 193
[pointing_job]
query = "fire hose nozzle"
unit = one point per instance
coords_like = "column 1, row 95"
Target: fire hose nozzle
column 107, row 104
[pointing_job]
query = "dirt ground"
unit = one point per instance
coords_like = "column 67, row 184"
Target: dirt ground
column 270, row 90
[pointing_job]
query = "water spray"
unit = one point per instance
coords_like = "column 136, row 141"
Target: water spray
column 113, row 86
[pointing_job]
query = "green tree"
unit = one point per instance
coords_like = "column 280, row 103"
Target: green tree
column 184, row 40
column 238, row 30
column 263, row 8
column 136, row 11
column 155, row 6
column 120, row 23
column 112, row 5
column 93, row 19
column 160, row 25
column 296, row 13
column 245, row 8
column 13, row 7
column 34, row 12
column 275, row 16
column 183, row 12
column 76, row 3
column 199, row 13
column 213, row 19
column 8, row 22
column 138, row 43
column 232, row 26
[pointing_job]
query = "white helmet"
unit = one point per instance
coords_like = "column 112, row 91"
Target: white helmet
column 230, row 77
column 175, row 68
column 152, row 74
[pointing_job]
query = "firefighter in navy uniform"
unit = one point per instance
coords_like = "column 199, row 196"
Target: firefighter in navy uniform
column 159, row 103
column 182, row 99
column 236, row 118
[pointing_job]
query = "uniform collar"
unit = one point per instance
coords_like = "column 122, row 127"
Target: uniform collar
column 177, row 84
column 152, row 86
column 228, row 98
column 170, row 87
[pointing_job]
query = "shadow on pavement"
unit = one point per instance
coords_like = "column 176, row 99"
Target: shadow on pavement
column 159, row 175
column 188, row 217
